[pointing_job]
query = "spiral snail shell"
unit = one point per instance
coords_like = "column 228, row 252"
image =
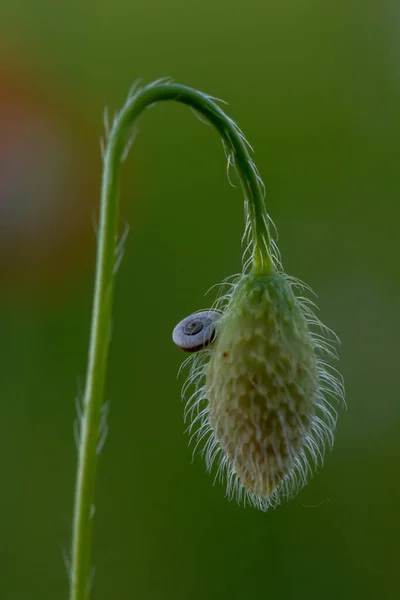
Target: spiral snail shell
column 196, row 331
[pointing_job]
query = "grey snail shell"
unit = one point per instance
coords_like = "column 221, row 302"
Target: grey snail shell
column 196, row 331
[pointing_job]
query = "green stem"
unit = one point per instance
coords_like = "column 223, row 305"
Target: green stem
column 262, row 262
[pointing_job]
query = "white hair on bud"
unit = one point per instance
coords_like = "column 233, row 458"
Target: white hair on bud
column 318, row 434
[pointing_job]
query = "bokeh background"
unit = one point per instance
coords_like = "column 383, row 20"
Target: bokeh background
column 316, row 87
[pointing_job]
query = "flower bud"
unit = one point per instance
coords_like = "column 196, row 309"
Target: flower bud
column 264, row 385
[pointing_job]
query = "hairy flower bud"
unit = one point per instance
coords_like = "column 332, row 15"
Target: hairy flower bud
column 266, row 390
column 262, row 383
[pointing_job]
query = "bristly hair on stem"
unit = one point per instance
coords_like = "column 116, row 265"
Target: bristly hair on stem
column 263, row 258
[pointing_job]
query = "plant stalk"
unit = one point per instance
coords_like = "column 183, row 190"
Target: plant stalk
column 262, row 262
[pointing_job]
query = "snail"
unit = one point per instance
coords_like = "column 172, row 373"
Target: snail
column 196, row 331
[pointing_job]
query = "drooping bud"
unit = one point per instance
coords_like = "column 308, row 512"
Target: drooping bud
column 265, row 390
column 261, row 384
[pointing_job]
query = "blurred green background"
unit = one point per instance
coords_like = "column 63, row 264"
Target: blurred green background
column 315, row 86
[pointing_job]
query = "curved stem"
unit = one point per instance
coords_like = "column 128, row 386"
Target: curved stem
column 262, row 262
